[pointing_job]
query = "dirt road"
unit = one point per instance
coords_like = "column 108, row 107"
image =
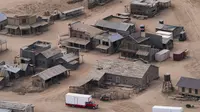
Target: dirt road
column 184, row 12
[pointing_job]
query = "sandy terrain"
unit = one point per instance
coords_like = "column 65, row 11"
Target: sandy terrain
column 183, row 12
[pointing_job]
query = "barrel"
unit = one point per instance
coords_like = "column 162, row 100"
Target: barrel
column 161, row 21
column 167, row 77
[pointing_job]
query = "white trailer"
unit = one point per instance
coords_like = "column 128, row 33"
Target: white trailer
column 79, row 100
column 162, row 55
column 166, row 109
column 165, row 34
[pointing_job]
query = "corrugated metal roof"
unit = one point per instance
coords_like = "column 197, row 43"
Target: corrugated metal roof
column 189, row 83
column 72, row 10
column 51, row 72
column 69, row 57
column 5, row 110
column 51, row 52
column 113, row 25
column 3, row 17
column 92, row 31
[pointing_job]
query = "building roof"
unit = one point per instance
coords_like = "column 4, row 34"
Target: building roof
column 72, row 10
column 92, row 31
column 51, row 72
column 10, row 68
column 51, row 52
column 70, row 57
column 3, row 17
column 14, row 105
column 189, row 83
column 5, row 110
column 149, row 3
column 76, row 41
column 112, row 37
column 113, row 25
column 119, row 67
column 169, row 28
column 138, row 38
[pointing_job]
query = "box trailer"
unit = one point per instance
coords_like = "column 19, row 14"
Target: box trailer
column 162, row 55
column 165, row 34
column 166, row 109
column 80, row 100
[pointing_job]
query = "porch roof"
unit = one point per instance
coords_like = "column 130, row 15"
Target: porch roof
column 11, row 27
column 103, row 47
column 24, row 27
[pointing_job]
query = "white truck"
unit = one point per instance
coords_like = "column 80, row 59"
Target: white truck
column 166, row 109
column 80, row 100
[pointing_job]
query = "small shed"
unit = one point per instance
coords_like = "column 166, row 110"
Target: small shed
column 16, row 107
column 49, row 76
column 73, row 13
column 189, row 86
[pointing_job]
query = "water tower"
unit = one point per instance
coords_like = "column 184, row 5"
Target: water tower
column 167, row 84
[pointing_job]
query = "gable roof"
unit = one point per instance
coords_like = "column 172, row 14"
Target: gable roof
column 85, row 28
column 109, row 36
column 51, row 52
column 189, row 83
column 51, row 72
column 138, row 38
column 165, row 27
column 113, row 25
column 3, row 17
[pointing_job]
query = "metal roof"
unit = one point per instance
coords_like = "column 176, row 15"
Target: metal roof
column 113, row 25
column 138, row 38
column 142, row 53
column 14, row 105
column 119, row 67
column 76, row 41
column 70, row 57
column 10, row 68
column 112, row 37
column 51, row 72
column 149, row 3
column 189, row 83
column 51, row 52
column 11, row 26
column 104, row 47
column 72, row 10
column 3, row 17
column 92, row 31
column 24, row 27
column 5, row 110
column 169, row 28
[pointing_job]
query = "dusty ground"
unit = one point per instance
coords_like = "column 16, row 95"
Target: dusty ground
column 183, row 12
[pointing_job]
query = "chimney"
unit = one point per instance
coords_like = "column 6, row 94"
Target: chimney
column 142, row 30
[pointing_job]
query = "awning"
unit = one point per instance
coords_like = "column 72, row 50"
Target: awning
column 77, row 41
column 102, row 47
column 11, row 27
column 142, row 53
column 71, row 40
column 35, row 25
column 24, row 27
column 1, row 78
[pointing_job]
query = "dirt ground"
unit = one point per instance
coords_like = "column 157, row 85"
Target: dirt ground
column 183, row 12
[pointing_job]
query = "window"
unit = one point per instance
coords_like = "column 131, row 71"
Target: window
column 105, row 43
column 190, row 90
column 109, row 78
column 23, row 21
column 183, row 89
column 196, row 91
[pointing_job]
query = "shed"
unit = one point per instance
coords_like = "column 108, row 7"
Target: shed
column 49, row 76
column 189, row 86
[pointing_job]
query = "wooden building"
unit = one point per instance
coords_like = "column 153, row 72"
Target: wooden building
column 189, row 86
column 25, row 24
column 120, row 73
column 81, row 36
column 3, row 21
column 122, row 28
column 49, row 76
column 175, row 30
column 30, row 52
column 73, row 13
column 108, row 42
column 48, row 57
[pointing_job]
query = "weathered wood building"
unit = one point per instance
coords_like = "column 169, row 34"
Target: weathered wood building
column 94, row 3
column 108, row 42
column 136, row 46
column 189, row 86
column 3, row 21
column 16, row 107
column 120, row 72
column 49, row 76
column 81, row 36
column 148, row 8
column 175, row 30
column 48, row 57
column 73, row 13
column 32, row 50
column 25, row 24
column 122, row 28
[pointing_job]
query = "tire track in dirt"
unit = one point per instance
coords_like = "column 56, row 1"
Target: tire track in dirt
column 127, row 107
